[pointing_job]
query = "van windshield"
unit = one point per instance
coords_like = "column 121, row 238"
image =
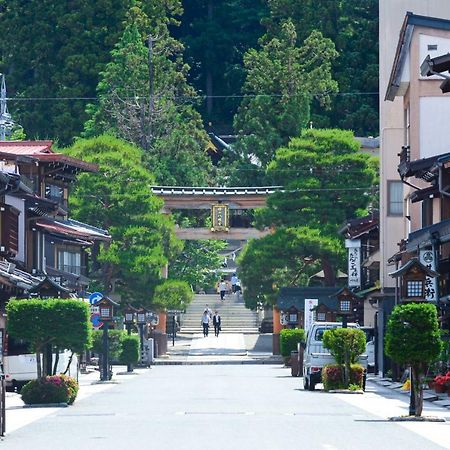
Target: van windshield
column 319, row 333
column 17, row 347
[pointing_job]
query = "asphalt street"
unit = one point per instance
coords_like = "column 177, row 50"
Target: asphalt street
column 226, row 407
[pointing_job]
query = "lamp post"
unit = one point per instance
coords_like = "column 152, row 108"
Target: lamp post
column 129, row 315
column 345, row 304
column 106, row 310
column 141, row 320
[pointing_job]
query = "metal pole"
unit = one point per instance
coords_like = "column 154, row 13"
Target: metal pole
column 344, row 320
column 141, row 335
column 2, row 405
column 173, row 330
column 105, row 365
column 412, row 398
column 129, row 366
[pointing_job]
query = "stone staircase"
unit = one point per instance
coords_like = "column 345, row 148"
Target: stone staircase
column 236, row 318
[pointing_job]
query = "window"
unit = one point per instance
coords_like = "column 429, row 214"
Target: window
column 69, row 262
column 414, row 288
column 395, row 198
column 321, row 317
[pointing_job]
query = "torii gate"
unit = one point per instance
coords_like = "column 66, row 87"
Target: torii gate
column 219, row 200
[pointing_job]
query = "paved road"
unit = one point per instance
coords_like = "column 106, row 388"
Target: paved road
column 251, row 407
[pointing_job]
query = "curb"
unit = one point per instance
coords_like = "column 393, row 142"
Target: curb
column 47, row 405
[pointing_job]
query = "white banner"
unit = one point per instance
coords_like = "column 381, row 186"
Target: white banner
column 310, row 303
column 428, row 259
column 354, row 267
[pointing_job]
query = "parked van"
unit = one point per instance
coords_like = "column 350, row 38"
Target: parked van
column 19, row 364
column 316, row 356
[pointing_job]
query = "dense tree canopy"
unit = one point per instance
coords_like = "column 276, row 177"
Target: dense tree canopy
column 282, row 78
column 326, row 181
column 118, row 199
column 144, row 98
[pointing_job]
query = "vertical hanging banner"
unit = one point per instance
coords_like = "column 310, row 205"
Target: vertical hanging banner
column 354, row 262
column 310, row 303
column 428, row 259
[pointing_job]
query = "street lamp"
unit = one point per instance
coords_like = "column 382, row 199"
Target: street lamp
column 141, row 320
column 106, row 311
column 129, row 314
column 345, row 298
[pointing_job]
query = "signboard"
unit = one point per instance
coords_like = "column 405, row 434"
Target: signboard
column 354, row 262
column 310, row 303
column 220, row 214
column 428, row 259
column 95, row 297
column 2, row 332
column 96, row 322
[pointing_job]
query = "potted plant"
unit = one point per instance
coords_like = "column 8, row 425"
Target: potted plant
column 441, row 383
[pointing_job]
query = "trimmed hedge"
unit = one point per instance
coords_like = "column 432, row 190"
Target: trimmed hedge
column 289, row 338
column 333, row 376
column 50, row 389
column 130, row 349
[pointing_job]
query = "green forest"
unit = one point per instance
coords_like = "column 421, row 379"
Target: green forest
column 141, row 88
column 54, row 55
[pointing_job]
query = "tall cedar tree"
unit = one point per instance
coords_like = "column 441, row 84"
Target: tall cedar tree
column 282, row 79
column 145, row 99
column 118, row 198
column 353, row 27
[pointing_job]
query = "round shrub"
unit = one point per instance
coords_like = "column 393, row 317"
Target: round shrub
column 333, row 376
column 51, row 389
column 289, row 338
column 130, row 350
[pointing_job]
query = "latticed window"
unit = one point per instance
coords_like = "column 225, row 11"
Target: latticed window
column 321, row 317
column 345, row 305
column 414, row 288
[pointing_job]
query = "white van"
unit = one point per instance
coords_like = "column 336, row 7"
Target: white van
column 19, row 365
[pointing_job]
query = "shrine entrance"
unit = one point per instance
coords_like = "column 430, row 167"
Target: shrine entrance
column 227, row 205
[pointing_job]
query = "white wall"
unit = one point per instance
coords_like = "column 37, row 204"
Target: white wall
column 18, row 203
column 434, row 126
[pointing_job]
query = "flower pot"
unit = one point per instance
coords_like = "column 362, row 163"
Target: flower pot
column 439, row 388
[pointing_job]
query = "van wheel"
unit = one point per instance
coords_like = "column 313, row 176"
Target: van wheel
column 305, row 383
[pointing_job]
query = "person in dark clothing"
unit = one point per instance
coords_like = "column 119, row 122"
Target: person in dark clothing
column 217, row 321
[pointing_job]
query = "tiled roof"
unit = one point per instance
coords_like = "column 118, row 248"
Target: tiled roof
column 295, row 296
column 73, row 228
column 42, row 151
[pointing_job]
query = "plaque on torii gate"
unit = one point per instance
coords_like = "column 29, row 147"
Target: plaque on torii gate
column 220, row 217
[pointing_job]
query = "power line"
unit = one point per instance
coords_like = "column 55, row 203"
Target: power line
column 192, row 97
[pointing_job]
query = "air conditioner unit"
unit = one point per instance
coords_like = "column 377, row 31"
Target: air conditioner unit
column 10, row 268
column 2, row 248
column 33, row 271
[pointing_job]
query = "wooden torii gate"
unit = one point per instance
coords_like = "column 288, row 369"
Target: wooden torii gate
column 220, row 200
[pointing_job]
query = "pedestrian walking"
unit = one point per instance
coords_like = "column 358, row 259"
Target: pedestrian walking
column 217, row 322
column 234, row 280
column 205, row 323
column 207, row 308
column 222, row 289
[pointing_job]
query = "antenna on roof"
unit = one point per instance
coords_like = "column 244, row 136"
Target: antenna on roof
column 6, row 122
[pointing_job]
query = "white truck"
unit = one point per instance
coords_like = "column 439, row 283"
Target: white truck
column 316, row 356
column 19, row 364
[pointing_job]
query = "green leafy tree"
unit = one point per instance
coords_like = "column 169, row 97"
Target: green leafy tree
column 286, row 257
column 345, row 345
column 282, row 78
column 62, row 60
column 172, row 294
column 326, row 180
column 353, row 27
column 145, row 99
column 413, row 339
column 198, row 263
column 60, row 323
column 118, row 199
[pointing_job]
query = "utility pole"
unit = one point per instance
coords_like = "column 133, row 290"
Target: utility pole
column 6, row 122
column 151, row 88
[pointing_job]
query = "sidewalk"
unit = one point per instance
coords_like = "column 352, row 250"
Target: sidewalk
column 429, row 395
column 18, row 416
column 227, row 348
